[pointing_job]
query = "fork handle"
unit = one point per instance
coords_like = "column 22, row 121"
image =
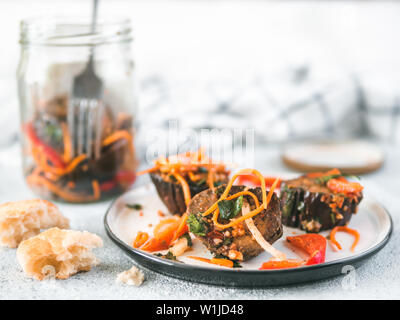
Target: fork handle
column 94, row 15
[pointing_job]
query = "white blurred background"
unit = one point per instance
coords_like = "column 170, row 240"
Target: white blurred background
column 245, row 64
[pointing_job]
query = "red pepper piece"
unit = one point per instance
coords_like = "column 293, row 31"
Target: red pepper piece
column 107, row 185
column 341, row 186
column 154, row 244
column 254, row 181
column 323, row 174
column 50, row 153
column 313, row 244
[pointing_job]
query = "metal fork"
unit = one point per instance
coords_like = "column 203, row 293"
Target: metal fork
column 86, row 107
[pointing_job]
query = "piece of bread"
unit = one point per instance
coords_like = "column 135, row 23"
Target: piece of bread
column 21, row 220
column 131, row 277
column 58, row 253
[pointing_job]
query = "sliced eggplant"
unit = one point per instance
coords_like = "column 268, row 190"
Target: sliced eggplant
column 238, row 238
column 171, row 193
column 312, row 207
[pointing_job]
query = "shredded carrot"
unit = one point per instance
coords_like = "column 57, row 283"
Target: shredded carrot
column 155, row 168
column 67, row 143
column 187, row 162
column 185, row 187
column 353, row 232
column 182, row 228
column 230, row 184
column 210, row 179
column 220, row 262
column 194, row 177
column 117, row 135
column 96, row 190
column 249, row 215
column 199, row 258
column 243, row 193
column 41, row 161
column 140, row 239
column 160, row 213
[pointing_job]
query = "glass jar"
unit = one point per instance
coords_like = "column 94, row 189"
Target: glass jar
column 53, row 52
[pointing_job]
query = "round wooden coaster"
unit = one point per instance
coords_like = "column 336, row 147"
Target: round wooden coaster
column 354, row 157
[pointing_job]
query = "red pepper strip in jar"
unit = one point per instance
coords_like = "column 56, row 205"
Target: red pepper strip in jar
column 51, row 154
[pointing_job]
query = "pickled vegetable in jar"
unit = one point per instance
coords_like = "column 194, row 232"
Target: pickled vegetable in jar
column 53, row 52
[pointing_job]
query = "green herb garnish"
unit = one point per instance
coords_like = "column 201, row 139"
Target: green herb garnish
column 168, row 256
column 201, row 181
column 217, row 183
column 135, row 206
column 188, row 238
column 325, row 179
column 236, row 264
column 196, row 225
column 54, row 132
column 202, row 170
column 333, row 218
column 229, row 209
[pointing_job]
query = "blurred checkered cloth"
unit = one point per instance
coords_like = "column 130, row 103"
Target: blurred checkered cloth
column 294, row 104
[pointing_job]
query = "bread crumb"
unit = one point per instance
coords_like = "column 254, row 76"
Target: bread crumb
column 57, row 253
column 21, row 220
column 131, row 277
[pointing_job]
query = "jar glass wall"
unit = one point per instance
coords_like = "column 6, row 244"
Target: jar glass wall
column 53, row 52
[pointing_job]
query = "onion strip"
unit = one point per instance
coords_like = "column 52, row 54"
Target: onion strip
column 260, row 239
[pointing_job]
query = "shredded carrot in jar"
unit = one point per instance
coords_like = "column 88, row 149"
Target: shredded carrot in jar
column 41, row 162
column 117, row 135
column 353, row 232
column 67, row 143
column 63, row 194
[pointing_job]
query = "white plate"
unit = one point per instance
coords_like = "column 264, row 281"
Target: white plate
column 372, row 221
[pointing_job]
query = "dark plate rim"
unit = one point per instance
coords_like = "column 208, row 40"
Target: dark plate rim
column 220, row 271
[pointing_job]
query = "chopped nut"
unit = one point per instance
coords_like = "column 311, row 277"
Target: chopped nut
column 179, row 247
column 339, row 216
column 217, row 241
column 235, row 255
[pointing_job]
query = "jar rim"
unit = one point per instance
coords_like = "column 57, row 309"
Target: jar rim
column 62, row 30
